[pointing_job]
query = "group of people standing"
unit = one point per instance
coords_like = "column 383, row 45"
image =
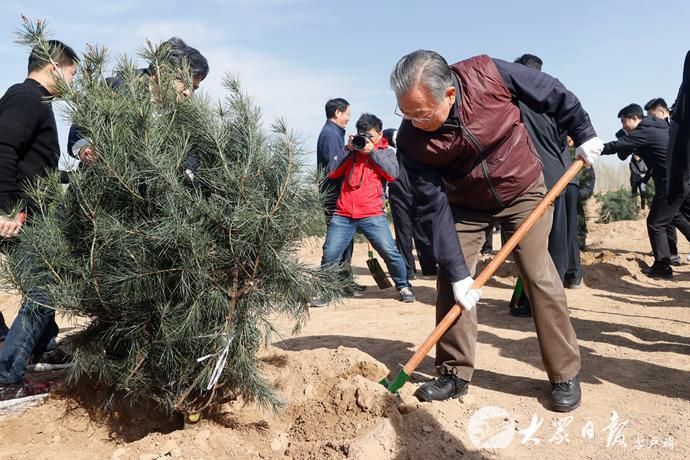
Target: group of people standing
column 645, row 139
column 357, row 180
column 480, row 143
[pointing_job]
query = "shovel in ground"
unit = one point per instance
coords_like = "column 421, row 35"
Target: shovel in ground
column 517, row 293
column 404, row 375
column 376, row 271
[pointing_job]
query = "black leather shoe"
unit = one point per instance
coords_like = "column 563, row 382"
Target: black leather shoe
column 659, row 270
column 523, row 310
column 571, row 282
column 444, row 387
column 566, row 396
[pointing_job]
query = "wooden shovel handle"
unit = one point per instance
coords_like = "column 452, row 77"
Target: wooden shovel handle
column 491, row 268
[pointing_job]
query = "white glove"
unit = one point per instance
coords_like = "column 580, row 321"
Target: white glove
column 590, row 150
column 465, row 296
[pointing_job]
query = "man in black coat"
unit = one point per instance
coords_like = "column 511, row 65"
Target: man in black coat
column 29, row 149
column 679, row 141
column 648, row 137
column 550, row 144
column 407, row 226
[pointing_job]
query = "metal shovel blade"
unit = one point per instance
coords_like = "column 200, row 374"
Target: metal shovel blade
column 377, row 272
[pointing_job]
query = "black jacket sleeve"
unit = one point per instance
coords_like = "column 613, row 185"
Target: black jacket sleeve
column 18, row 122
column 586, row 185
column 76, row 137
column 626, row 145
column 436, row 218
column 545, row 94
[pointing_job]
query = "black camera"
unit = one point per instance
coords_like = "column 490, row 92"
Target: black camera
column 360, row 140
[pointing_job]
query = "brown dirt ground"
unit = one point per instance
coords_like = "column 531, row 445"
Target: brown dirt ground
column 635, row 343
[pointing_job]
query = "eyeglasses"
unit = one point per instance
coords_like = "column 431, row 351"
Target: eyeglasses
column 417, row 119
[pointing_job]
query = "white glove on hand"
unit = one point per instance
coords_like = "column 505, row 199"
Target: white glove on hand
column 590, row 150
column 465, row 296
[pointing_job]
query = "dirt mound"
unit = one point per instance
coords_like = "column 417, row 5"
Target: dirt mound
column 335, row 409
column 601, row 268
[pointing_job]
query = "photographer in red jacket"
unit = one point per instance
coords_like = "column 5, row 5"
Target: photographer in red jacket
column 367, row 162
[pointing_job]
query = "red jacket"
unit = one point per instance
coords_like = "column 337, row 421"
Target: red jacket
column 361, row 194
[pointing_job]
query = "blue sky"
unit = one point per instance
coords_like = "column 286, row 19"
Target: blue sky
column 293, row 55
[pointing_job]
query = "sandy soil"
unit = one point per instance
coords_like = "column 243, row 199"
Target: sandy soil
column 635, row 342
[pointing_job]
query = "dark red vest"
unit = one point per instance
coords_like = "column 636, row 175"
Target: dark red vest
column 487, row 161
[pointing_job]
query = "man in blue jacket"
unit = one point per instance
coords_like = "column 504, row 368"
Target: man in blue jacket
column 330, row 147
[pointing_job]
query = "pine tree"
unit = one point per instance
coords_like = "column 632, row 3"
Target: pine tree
column 177, row 279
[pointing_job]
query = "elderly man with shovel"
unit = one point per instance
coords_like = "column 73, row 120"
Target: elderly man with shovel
column 472, row 165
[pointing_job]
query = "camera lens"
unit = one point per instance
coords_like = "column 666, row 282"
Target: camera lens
column 359, row 142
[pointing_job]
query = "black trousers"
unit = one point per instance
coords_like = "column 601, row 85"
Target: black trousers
column 679, row 221
column 571, row 198
column 408, row 229
column 558, row 238
column 662, row 217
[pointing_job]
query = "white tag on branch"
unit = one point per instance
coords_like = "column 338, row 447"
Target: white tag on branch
column 220, row 365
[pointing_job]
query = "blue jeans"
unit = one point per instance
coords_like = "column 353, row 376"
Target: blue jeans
column 32, row 332
column 376, row 230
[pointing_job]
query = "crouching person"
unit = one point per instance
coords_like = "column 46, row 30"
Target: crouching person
column 364, row 170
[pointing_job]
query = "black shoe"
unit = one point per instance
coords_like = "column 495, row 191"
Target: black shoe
column 444, row 387
column 53, row 357
column 566, row 396
column 411, row 276
column 675, row 260
column 572, row 281
column 521, row 311
column 659, row 270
